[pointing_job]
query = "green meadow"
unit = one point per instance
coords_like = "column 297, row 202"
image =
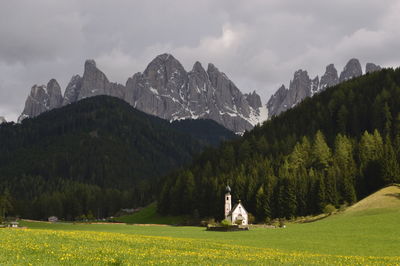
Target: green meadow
column 366, row 233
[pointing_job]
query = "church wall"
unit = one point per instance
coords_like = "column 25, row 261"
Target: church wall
column 240, row 210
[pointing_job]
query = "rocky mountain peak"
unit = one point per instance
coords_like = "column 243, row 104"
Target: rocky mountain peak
column 218, row 79
column 38, row 91
column 300, row 86
column 211, row 68
column 253, row 99
column 90, row 63
column 371, row 67
column 42, row 98
column 330, row 78
column 73, row 89
column 2, row 120
column 198, row 68
column 54, row 93
column 162, row 64
column 165, row 57
column 166, row 75
column 282, row 91
column 351, row 70
column 91, row 68
column 275, row 105
column 94, row 82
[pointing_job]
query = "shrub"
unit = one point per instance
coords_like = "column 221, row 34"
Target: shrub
column 329, row 209
column 208, row 222
column 90, row 216
column 251, row 218
column 282, row 223
column 226, row 223
column 343, row 206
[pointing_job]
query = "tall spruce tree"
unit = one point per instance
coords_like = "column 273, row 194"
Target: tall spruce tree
column 321, row 153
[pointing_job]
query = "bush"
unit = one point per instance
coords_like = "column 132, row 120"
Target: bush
column 208, row 222
column 282, row 223
column 329, row 209
column 343, row 206
column 90, row 216
column 226, row 223
column 251, row 218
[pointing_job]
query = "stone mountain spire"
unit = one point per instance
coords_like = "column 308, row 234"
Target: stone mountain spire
column 42, row 98
column 351, row 70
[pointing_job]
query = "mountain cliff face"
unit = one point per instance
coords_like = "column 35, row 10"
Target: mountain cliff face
column 164, row 89
column 330, row 78
column 42, row 98
column 351, row 70
column 301, row 86
column 371, row 67
column 2, row 120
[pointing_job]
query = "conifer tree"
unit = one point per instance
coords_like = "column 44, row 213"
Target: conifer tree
column 321, row 153
column 188, row 192
column 342, row 119
column 320, row 193
column 349, row 193
column 389, row 164
column 262, row 204
column 331, row 195
column 387, row 115
column 396, row 136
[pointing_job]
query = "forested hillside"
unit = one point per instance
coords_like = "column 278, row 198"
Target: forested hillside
column 333, row 148
column 93, row 157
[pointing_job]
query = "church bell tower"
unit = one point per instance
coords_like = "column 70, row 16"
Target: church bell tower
column 228, row 201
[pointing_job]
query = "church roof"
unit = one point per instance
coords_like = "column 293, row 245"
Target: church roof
column 228, row 189
column 237, row 205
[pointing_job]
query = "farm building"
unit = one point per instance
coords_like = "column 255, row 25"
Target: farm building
column 14, row 224
column 53, row 219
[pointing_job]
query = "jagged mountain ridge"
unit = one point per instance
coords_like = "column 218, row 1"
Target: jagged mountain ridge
column 2, row 120
column 164, row 89
column 302, row 86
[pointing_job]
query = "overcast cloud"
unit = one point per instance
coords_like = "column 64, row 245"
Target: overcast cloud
column 257, row 43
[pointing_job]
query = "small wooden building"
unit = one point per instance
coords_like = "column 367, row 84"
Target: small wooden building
column 53, row 219
column 14, row 224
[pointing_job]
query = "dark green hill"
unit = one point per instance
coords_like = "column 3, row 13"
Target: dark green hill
column 97, row 144
column 206, row 131
column 333, row 148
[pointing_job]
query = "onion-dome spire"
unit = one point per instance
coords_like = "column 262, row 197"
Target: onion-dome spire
column 228, row 189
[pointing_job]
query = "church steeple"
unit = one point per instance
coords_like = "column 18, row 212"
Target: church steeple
column 228, row 201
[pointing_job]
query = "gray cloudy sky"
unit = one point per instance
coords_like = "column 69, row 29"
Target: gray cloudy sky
column 257, row 43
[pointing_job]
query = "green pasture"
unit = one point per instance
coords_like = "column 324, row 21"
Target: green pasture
column 367, row 233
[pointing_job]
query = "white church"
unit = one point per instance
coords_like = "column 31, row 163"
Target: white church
column 237, row 214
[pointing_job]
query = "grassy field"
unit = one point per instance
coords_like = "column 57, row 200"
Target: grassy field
column 367, row 233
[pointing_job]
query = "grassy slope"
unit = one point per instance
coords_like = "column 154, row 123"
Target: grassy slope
column 149, row 215
column 386, row 198
column 366, row 232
